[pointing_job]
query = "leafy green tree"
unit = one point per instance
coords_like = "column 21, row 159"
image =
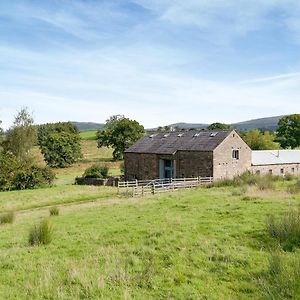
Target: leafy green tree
column 219, row 126
column 119, row 133
column 260, row 141
column 288, row 131
column 59, row 143
column 21, row 137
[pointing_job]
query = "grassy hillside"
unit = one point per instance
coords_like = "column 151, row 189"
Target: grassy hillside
column 200, row 244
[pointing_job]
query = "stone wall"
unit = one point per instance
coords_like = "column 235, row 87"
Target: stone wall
column 281, row 169
column 141, row 166
column 225, row 166
column 194, row 164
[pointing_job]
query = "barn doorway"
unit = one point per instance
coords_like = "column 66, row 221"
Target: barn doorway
column 166, row 168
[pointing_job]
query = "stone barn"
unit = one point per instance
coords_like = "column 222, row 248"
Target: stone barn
column 276, row 162
column 217, row 154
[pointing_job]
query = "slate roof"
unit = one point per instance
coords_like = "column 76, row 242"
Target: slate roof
column 169, row 143
column 275, row 157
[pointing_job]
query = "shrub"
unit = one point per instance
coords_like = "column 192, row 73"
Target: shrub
column 286, row 230
column 7, row 217
column 281, row 281
column 41, row 234
column 54, row 211
column 16, row 175
column 96, row 171
column 32, row 177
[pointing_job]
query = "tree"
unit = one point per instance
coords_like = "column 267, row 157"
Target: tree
column 259, row 141
column 119, row 133
column 59, row 143
column 21, row 137
column 220, row 126
column 288, row 131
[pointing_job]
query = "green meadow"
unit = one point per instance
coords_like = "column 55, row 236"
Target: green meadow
column 204, row 243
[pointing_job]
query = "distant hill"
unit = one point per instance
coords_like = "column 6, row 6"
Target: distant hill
column 88, row 126
column 269, row 123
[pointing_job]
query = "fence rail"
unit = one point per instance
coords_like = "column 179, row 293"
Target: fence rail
column 144, row 187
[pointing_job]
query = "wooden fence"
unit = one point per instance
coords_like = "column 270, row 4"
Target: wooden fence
column 144, row 187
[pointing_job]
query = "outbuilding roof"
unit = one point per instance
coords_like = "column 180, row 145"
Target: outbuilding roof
column 169, row 143
column 275, row 157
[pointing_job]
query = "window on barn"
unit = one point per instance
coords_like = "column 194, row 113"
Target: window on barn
column 270, row 171
column 236, row 154
column 293, row 170
column 282, row 171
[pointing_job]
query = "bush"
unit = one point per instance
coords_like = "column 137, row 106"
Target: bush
column 16, row 175
column 54, row 211
column 41, row 234
column 96, row 171
column 286, row 230
column 7, row 217
column 281, row 281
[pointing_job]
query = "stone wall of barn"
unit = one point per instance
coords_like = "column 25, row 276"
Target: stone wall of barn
column 194, row 164
column 225, row 166
column 277, row 170
column 141, row 166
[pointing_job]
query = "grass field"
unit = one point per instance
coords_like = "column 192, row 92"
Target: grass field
column 197, row 244
column 88, row 135
column 205, row 243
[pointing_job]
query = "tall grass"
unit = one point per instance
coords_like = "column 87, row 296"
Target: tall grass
column 248, row 178
column 286, row 230
column 295, row 188
column 281, row 281
column 54, row 211
column 41, row 234
column 7, row 217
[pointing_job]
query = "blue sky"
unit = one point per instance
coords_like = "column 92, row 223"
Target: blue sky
column 158, row 61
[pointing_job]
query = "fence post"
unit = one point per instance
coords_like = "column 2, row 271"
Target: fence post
column 153, row 189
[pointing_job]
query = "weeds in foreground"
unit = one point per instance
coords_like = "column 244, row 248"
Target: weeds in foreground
column 281, row 281
column 286, row 230
column 294, row 189
column 8, row 217
column 54, row 211
column 247, row 179
column 41, row 234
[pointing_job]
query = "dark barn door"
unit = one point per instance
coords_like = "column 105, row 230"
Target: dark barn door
column 166, row 168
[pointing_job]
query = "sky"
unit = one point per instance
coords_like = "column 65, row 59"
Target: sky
column 155, row 61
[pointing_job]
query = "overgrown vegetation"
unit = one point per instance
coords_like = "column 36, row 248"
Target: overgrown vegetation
column 59, row 143
column 286, row 229
column 281, row 280
column 262, row 182
column 7, row 217
column 96, row 171
column 41, row 234
column 18, row 175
